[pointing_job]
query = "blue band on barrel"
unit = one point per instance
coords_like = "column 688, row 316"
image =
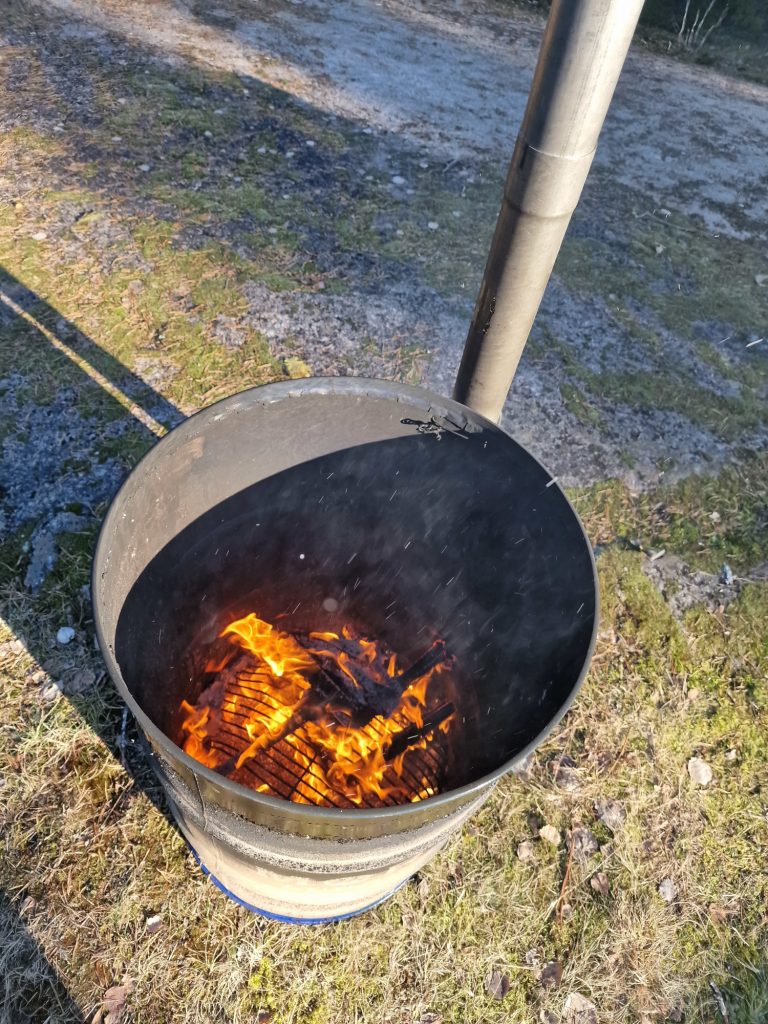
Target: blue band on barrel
column 282, row 917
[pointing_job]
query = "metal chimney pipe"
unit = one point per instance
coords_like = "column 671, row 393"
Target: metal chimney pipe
column 584, row 47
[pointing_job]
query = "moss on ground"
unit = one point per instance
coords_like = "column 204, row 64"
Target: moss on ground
column 661, row 691
column 707, row 520
column 142, row 274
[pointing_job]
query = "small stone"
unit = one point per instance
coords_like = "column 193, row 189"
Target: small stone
column 144, row 167
column 51, row 692
column 526, row 852
column 423, row 164
column 600, row 884
column 11, row 648
column 611, row 813
column 699, row 771
column 761, row 280
column 40, row 236
column 694, row 693
column 659, row 248
column 208, row 134
column 550, row 834
column 496, row 984
column 262, row 150
column 667, row 890
column 397, row 179
column 399, row 233
column 456, row 213
column 122, row 101
column 578, row 1010
column 433, row 225
column 289, row 154
column 731, row 755
column 117, row 138
column 547, row 1017
column 65, row 635
column 584, row 845
column 154, row 924
column 714, row 517
column 726, row 575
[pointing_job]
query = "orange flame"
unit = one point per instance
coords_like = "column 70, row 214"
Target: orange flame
column 335, row 758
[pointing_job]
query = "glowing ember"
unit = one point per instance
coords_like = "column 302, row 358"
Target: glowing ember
column 327, row 718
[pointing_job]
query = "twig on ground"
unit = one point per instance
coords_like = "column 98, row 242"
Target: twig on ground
column 718, row 996
column 564, row 886
column 122, row 740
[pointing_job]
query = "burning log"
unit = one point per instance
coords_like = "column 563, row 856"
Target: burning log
column 341, row 695
column 401, row 741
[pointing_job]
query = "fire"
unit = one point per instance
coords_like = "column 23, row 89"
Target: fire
column 331, row 713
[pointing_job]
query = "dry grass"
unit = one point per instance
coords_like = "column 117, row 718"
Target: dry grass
column 86, row 850
column 88, row 855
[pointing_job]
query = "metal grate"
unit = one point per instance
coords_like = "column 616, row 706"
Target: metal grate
column 289, row 769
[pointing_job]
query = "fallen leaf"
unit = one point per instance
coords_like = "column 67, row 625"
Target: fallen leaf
column 578, row 1010
column 551, row 974
column 11, row 647
column 550, row 834
column 699, row 771
column 423, row 890
column 584, row 845
column 667, row 890
column 599, row 883
column 565, row 774
column 496, row 984
column 526, row 851
column 113, row 1003
column 430, row 1018
column 611, row 813
column 296, row 367
column 717, row 914
column 80, row 681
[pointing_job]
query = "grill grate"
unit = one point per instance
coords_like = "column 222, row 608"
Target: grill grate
column 289, row 768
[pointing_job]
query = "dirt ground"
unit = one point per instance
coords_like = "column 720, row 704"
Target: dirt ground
column 196, row 198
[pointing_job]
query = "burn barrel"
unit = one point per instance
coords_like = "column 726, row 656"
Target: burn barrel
column 314, row 502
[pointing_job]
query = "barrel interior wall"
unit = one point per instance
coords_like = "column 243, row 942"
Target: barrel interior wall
column 411, row 539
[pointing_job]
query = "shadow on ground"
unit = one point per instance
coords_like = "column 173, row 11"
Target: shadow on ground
column 31, row 990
